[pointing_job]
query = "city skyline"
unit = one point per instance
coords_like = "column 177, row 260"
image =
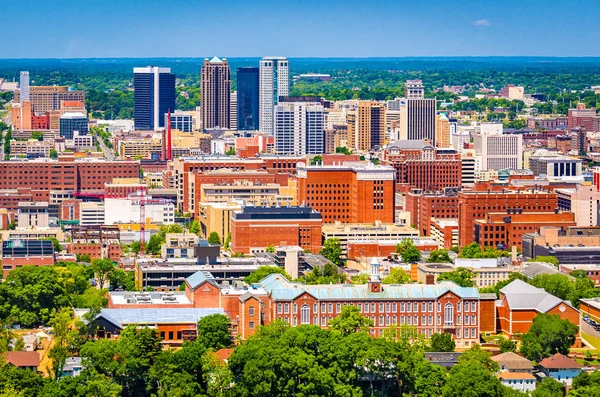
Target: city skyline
column 116, row 29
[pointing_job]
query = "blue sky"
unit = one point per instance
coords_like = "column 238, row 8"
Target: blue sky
column 298, row 28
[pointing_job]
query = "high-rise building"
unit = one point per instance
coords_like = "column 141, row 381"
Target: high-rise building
column 273, row 83
column 417, row 114
column 498, row 151
column 233, row 111
column 215, row 91
column 154, row 95
column 442, row 131
column 24, row 87
column 247, row 98
column 366, row 127
column 582, row 117
column 299, row 126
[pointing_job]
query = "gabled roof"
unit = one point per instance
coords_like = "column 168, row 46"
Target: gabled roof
column 281, row 289
column 521, row 295
column 515, row 375
column 199, row 278
column 560, row 361
column 513, row 361
column 23, row 359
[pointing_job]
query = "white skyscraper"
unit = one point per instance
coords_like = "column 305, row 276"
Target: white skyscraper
column 299, row 128
column 273, row 83
column 417, row 114
column 24, row 87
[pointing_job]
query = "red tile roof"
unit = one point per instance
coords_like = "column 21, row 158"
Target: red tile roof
column 559, row 361
column 23, row 359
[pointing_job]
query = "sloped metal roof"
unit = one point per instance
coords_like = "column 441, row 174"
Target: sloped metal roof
column 122, row 317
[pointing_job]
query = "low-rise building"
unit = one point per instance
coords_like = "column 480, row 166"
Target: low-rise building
column 361, row 250
column 18, row 253
column 575, row 245
column 486, row 271
column 179, row 245
column 561, row 368
column 444, row 231
column 23, row 360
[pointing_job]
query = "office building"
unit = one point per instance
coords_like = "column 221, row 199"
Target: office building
column 366, row 126
column 24, row 87
column 73, row 123
column 348, row 193
column 182, row 121
column 582, row 117
column 417, row 114
column 498, row 151
column 299, row 126
column 17, row 253
column 233, row 111
column 253, row 229
column 442, row 131
column 273, row 83
column 247, row 99
column 49, row 98
column 215, row 91
column 154, row 95
column 583, row 201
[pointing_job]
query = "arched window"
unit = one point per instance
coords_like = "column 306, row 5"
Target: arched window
column 448, row 314
column 305, row 315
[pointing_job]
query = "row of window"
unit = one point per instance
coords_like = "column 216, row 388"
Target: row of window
column 383, row 307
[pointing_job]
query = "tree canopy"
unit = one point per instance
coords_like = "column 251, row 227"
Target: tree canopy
column 264, row 271
column 548, row 335
column 332, row 250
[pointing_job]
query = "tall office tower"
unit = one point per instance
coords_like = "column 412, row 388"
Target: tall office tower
column 215, row 91
column 273, row 83
column 299, row 126
column 442, row 131
column 498, row 151
column 154, row 95
column 579, row 135
column 247, row 98
column 233, row 111
column 24, row 87
column 417, row 114
column 366, row 128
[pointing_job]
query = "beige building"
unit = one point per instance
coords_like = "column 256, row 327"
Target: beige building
column 442, row 131
column 487, row 272
column 215, row 88
column 216, row 217
column 49, row 98
column 266, row 194
column 366, row 126
column 31, row 147
column 179, row 245
column 366, row 232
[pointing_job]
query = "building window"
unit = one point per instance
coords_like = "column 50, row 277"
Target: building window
column 251, row 325
column 423, row 320
column 474, row 306
column 323, row 321
column 295, row 308
column 401, row 320
column 416, row 320
column 467, row 319
column 448, row 314
column 439, row 307
column 423, row 307
column 372, row 308
column 251, row 311
column 305, row 315
column 458, row 333
column 466, row 307
column 315, row 308
column 279, row 308
column 438, row 320
column 387, row 307
column 458, row 319
column 294, row 321
column 381, row 321
column 394, row 307
column 474, row 319
column 473, row 332
column 330, row 307
column 430, row 306
column 430, row 320
column 409, row 307
column 286, row 308
column 366, row 307
column 459, row 307
column 338, row 307
column 323, row 308
column 402, row 307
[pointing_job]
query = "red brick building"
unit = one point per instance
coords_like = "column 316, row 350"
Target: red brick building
column 426, row 205
column 256, row 228
column 420, row 165
column 110, row 250
column 64, row 174
column 506, row 229
column 473, row 205
column 40, row 121
column 521, row 302
column 583, row 118
column 348, row 193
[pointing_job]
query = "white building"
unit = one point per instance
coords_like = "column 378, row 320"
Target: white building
column 114, row 126
column 127, row 210
column 498, row 151
column 91, row 214
column 417, row 114
column 233, row 111
column 299, row 128
column 24, row 87
column 273, row 83
column 584, row 202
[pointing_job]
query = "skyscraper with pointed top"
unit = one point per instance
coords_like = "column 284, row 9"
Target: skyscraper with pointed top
column 215, row 93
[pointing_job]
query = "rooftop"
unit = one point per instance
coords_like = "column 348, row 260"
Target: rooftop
column 23, row 359
column 559, row 361
column 148, row 298
column 123, row 317
column 521, row 295
column 513, row 361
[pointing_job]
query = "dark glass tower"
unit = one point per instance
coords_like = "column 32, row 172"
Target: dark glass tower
column 154, row 95
column 247, row 99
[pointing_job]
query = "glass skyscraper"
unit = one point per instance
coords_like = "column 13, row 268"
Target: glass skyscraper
column 154, row 95
column 247, row 98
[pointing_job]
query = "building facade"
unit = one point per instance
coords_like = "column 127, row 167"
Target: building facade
column 247, row 98
column 417, row 114
column 215, row 91
column 299, row 128
column 366, row 126
column 154, row 95
column 273, row 83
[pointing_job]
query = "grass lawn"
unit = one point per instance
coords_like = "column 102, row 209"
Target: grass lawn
column 592, row 340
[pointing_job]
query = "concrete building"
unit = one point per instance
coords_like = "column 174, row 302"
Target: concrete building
column 417, row 114
column 366, row 126
column 91, row 214
column 553, row 165
column 215, row 89
column 442, row 131
column 23, row 87
column 498, row 151
column 583, row 201
column 233, row 111
column 179, row 245
column 33, row 215
column 253, row 229
column 127, row 210
column 348, row 193
column 182, row 121
column 48, row 98
column 576, row 245
column 366, row 232
column 216, row 217
column 299, row 127
column 487, row 272
column 582, row 117
column 273, row 83
column 444, row 231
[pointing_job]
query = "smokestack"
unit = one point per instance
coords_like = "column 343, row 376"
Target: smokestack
column 163, row 154
column 169, row 152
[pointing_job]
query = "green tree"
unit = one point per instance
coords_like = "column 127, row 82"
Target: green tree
column 439, row 256
column 194, row 227
column 316, row 159
column 547, row 259
column 549, row 387
column 408, row 252
column 507, row 345
column 470, row 251
column 230, row 152
column 102, row 269
column 53, row 154
column 343, row 150
column 214, row 331
column 396, row 276
column 548, row 335
column 270, row 249
column 442, row 342
column 360, row 278
column 461, row 276
column 332, row 250
column 84, row 258
column 350, row 320
column 121, row 279
column 55, row 243
column 264, row 271
column 214, row 238
column 228, row 240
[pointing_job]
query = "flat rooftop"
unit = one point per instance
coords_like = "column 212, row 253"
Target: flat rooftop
column 148, row 298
